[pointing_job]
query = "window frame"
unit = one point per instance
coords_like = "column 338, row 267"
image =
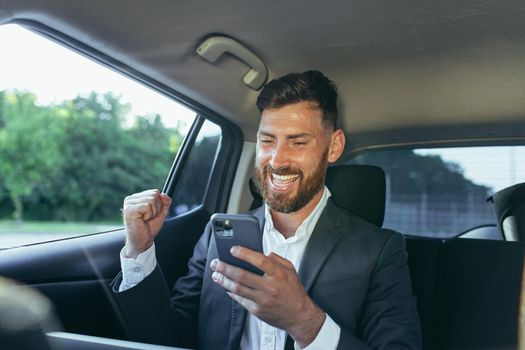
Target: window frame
column 220, row 181
column 223, row 170
column 500, row 142
column 216, row 197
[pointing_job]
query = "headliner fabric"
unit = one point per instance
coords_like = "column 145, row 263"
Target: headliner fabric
column 406, row 73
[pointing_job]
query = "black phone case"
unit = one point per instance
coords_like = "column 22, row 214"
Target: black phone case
column 246, row 232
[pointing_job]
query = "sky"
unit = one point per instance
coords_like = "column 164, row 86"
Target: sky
column 54, row 73
column 495, row 167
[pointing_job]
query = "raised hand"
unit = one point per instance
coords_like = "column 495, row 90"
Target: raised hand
column 143, row 215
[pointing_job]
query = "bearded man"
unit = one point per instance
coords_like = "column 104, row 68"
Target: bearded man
column 331, row 280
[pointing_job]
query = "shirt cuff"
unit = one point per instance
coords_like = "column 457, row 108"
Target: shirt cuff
column 135, row 270
column 327, row 338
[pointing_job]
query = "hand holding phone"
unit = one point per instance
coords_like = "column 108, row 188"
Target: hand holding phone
column 236, row 229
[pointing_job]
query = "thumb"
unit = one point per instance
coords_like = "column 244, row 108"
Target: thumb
column 166, row 201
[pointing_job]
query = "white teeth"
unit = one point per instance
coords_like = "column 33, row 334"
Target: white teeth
column 282, row 179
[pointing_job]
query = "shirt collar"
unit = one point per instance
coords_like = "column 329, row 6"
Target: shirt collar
column 307, row 226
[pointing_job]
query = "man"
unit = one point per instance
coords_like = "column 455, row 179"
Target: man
column 331, row 280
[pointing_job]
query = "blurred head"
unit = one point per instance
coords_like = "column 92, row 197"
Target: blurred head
column 25, row 317
column 297, row 139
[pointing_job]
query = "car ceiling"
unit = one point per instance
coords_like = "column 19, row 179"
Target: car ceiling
column 408, row 72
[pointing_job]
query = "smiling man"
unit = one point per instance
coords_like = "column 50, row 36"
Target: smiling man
column 331, row 280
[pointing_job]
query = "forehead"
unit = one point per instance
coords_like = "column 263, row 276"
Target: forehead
column 292, row 118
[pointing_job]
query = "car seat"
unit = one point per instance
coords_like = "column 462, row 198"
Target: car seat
column 509, row 208
column 358, row 189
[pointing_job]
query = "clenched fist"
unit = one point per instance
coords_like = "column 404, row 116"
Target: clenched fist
column 144, row 215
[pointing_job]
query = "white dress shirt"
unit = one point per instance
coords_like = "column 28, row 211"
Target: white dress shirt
column 257, row 335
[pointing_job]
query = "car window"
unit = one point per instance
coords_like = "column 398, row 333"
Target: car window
column 195, row 175
column 443, row 192
column 75, row 139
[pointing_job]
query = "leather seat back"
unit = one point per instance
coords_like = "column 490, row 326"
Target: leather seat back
column 359, row 189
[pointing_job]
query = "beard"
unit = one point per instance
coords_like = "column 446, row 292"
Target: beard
column 307, row 188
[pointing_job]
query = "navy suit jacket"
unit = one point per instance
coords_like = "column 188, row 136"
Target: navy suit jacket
column 356, row 272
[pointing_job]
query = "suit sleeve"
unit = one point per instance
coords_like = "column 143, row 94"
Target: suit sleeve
column 389, row 318
column 154, row 315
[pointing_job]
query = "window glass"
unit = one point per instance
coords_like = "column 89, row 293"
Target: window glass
column 443, row 192
column 193, row 182
column 75, row 139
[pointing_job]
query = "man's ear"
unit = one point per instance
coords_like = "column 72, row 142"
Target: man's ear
column 337, row 145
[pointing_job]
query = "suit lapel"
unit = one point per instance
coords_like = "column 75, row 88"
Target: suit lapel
column 323, row 240
column 259, row 214
column 238, row 313
column 237, row 321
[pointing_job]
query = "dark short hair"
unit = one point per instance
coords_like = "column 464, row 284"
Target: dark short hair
column 311, row 86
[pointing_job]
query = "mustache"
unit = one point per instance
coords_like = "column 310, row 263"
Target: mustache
column 283, row 170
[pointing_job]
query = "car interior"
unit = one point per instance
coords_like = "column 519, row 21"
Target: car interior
column 410, row 75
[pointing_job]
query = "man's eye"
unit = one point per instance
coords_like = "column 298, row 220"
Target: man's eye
column 266, row 141
column 300, row 143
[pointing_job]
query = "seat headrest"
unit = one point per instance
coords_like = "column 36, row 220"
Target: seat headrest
column 509, row 208
column 359, row 189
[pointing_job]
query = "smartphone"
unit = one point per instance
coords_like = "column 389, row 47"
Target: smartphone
column 236, row 229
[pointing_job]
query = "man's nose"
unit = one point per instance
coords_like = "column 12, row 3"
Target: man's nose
column 280, row 157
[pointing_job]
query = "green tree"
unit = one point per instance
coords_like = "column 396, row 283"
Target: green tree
column 103, row 160
column 76, row 160
column 28, row 146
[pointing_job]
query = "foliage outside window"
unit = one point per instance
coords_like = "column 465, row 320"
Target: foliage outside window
column 66, row 163
column 75, row 160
